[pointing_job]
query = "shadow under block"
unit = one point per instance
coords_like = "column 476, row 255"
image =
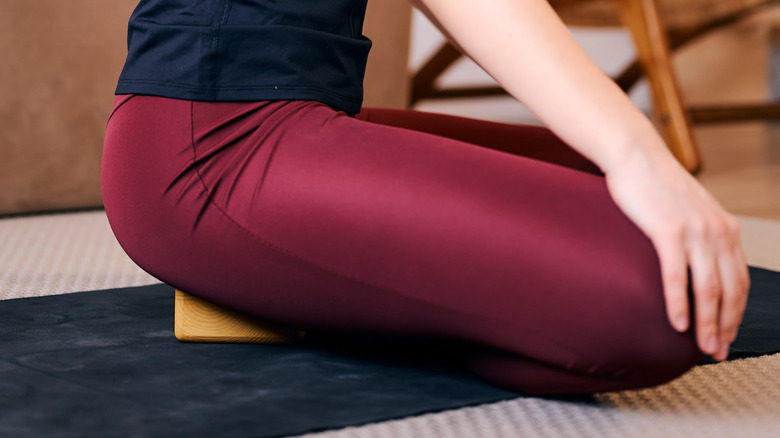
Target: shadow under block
column 197, row 320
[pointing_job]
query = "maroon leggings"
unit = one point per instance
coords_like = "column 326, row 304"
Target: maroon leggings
column 396, row 223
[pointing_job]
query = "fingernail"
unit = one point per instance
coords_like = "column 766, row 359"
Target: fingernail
column 681, row 323
column 724, row 351
column 711, row 344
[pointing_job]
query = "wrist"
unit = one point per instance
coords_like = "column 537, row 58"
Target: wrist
column 642, row 147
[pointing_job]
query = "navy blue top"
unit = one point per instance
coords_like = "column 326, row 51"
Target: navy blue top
column 243, row 50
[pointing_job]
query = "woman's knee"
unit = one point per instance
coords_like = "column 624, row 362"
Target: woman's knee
column 642, row 348
column 624, row 339
column 644, row 364
column 657, row 357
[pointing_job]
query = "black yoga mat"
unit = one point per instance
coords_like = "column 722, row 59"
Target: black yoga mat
column 759, row 333
column 106, row 364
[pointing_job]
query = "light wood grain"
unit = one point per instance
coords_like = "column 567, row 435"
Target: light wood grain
column 197, row 320
column 643, row 21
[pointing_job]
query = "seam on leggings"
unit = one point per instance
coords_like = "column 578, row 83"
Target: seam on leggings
column 580, row 356
column 121, row 104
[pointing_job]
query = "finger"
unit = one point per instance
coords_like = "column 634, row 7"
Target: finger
column 707, row 291
column 745, row 271
column 735, row 281
column 741, row 258
column 674, row 277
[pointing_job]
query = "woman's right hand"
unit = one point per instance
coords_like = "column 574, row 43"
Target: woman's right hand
column 688, row 228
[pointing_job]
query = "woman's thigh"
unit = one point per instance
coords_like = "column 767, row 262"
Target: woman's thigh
column 535, row 142
column 303, row 216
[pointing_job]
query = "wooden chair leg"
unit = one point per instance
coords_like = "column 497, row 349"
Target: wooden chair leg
column 196, row 320
column 642, row 19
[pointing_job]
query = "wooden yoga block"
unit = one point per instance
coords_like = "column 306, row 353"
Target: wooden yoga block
column 197, row 320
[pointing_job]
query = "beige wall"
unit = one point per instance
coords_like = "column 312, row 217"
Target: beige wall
column 729, row 65
column 388, row 24
column 60, row 63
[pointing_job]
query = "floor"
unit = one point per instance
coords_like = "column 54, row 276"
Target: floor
column 741, row 167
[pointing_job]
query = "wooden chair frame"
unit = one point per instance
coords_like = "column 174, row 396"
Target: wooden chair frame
column 654, row 44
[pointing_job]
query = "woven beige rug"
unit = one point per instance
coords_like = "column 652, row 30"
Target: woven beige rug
column 62, row 253
column 733, row 399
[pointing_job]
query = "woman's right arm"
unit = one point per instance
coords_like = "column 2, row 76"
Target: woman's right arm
column 525, row 47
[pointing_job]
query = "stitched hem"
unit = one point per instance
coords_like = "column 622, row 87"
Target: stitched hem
column 121, row 104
